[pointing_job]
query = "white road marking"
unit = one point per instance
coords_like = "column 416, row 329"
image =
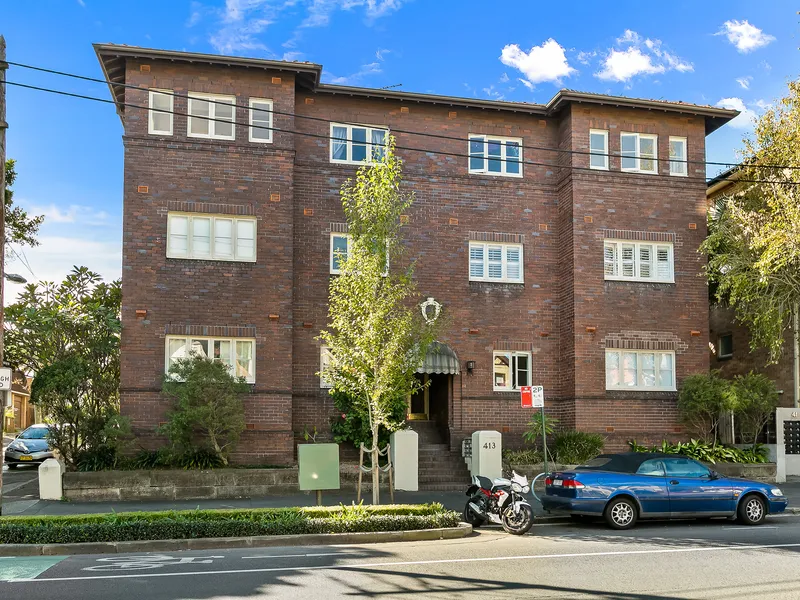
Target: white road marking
column 418, row 562
column 740, row 528
column 298, row 555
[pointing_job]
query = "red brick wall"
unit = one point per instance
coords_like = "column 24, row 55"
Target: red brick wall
column 560, row 213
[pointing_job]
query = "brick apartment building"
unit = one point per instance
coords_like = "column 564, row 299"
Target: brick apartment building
column 574, row 271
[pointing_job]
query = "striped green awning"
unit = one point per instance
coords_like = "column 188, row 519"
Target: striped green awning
column 441, row 359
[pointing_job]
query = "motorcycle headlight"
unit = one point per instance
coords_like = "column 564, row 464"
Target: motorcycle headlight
column 516, row 487
column 526, row 489
column 776, row 492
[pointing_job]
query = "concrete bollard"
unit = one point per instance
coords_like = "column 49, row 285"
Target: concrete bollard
column 50, row 480
column 405, row 459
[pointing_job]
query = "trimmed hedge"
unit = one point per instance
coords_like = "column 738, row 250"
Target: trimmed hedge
column 120, row 527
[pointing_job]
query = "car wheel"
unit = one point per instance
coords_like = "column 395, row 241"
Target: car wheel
column 752, row 510
column 12, row 465
column 621, row 513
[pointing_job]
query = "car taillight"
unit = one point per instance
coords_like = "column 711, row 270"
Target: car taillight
column 573, row 483
column 548, row 481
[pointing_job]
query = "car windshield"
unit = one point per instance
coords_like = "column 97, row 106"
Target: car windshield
column 34, row 433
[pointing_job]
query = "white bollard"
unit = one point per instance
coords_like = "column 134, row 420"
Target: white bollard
column 405, row 459
column 50, row 480
column 487, row 454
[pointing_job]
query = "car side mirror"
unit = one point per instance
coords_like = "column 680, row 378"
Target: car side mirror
column 712, row 475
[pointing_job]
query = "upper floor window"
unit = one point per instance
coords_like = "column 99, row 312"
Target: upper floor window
column 725, row 346
column 677, row 157
column 495, row 262
column 355, row 144
column 211, row 237
column 324, row 363
column 238, row 354
column 159, row 120
column 495, row 155
column 598, row 148
column 640, row 369
column 340, row 245
column 260, row 120
column 511, row 370
column 638, row 261
column 211, row 116
column 639, row 152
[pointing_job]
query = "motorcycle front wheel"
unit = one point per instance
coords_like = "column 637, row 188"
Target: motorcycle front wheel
column 471, row 517
column 520, row 523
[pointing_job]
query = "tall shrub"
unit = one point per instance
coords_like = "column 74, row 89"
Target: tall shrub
column 207, row 412
column 351, row 424
column 755, row 398
column 702, row 401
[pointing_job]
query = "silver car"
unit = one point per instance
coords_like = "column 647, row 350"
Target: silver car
column 29, row 447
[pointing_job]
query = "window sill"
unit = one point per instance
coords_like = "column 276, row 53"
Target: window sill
column 160, row 133
column 678, row 174
column 639, row 390
column 640, row 280
column 211, row 137
column 599, row 168
column 638, row 172
column 500, row 281
column 486, row 173
column 269, row 141
column 359, row 163
column 505, row 391
column 214, row 260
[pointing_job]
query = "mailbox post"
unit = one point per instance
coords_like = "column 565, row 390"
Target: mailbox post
column 487, row 454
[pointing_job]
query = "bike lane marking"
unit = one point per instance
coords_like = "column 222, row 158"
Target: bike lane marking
column 13, row 568
column 382, row 565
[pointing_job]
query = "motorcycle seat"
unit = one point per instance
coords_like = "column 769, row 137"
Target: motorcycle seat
column 484, row 482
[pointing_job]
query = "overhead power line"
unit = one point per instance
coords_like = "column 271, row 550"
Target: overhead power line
column 704, row 180
column 407, row 132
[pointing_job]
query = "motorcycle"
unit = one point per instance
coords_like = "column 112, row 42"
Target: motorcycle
column 502, row 502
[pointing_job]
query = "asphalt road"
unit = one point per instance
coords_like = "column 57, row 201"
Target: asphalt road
column 655, row 561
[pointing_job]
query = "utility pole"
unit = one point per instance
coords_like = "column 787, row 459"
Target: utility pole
column 3, row 127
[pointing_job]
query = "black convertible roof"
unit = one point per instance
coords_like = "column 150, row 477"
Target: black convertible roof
column 626, row 462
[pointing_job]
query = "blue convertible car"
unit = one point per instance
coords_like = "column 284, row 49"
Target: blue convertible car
column 623, row 488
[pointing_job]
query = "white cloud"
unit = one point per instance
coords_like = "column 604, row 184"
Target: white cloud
column 547, row 62
column 624, row 65
column 82, row 3
column 75, row 213
column 493, row 93
column 504, row 78
column 526, row 83
column 763, row 105
column 55, row 256
column 744, row 82
column 639, row 57
column 747, row 117
column 365, row 70
column 381, row 53
column 744, row 36
column 585, row 57
column 320, row 11
column 292, row 55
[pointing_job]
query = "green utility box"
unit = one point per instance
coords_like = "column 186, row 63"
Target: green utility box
column 318, row 466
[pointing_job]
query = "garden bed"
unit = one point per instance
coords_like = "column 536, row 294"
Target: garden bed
column 196, row 524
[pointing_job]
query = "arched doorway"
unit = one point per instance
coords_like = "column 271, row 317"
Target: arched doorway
column 432, row 402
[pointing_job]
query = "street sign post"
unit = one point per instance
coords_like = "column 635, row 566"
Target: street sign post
column 532, row 396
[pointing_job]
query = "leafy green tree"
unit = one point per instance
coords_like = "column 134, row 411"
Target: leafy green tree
column 754, row 232
column 207, row 412
column 351, row 424
column 755, row 399
column 68, row 335
column 20, row 228
column 377, row 336
column 702, row 401
column 86, row 420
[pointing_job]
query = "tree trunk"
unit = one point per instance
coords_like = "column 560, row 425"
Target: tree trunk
column 375, row 473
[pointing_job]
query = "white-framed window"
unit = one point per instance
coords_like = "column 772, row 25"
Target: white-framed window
column 639, row 152
column 638, row 261
column 511, row 370
column 501, row 263
column 324, row 363
column 340, row 243
column 355, row 144
column 493, row 155
column 238, row 354
column 211, row 237
column 640, row 369
column 598, row 148
column 260, row 120
column 203, row 108
column 677, row 157
column 159, row 117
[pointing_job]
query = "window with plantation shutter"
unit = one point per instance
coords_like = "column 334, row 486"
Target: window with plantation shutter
column 210, row 237
column 501, row 263
column 638, row 261
column 640, row 370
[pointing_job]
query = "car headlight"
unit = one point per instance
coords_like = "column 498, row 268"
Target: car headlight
column 516, row 487
column 18, row 446
column 776, row 492
column 526, row 489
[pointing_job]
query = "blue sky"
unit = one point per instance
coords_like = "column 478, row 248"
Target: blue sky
column 69, row 152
